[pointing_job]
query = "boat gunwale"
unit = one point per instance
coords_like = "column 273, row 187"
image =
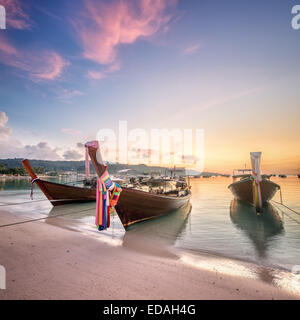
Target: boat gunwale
column 65, row 185
column 158, row 195
column 248, row 179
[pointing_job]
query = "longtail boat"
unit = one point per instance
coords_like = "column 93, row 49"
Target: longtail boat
column 252, row 187
column 137, row 205
column 59, row 194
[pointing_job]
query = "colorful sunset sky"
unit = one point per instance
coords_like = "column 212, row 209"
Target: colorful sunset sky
column 232, row 68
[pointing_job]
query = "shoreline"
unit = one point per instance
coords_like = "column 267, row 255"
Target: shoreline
column 12, row 177
column 44, row 261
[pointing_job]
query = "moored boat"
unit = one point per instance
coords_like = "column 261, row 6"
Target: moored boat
column 59, row 194
column 282, row 176
column 252, row 187
column 136, row 205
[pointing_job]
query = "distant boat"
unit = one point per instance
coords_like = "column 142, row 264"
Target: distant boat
column 252, row 187
column 137, row 205
column 282, row 175
column 59, row 194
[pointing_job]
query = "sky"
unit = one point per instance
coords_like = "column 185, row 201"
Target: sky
column 231, row 68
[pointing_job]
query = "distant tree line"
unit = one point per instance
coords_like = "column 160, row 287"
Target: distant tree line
column 14, row 166
column 19, row 170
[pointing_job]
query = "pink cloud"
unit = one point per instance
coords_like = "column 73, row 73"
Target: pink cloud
column 106, row 25
column 48, row 65
column 16, row 17
column 191, row 50
column 95, row 75
column 6, row 48
column 98, row 75
column 41, row 65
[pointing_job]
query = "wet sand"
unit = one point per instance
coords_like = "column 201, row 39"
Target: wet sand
column 44, row 261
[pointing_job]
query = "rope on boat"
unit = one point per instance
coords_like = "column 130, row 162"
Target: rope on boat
column 292, row 210
column 46, row 217
column 32, row 182
column 286, row 207
column 280, row 196
column 285, row 212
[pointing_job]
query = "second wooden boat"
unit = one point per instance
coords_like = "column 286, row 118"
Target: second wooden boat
column 253, row 188
column 136, row 205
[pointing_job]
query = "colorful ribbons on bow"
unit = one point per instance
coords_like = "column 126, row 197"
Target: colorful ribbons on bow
column 256, row 176
column 257, row 192
column 107, row 196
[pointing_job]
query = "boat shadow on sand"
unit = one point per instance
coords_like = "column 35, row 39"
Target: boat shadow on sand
column 153, row 237
column 157, row 236
column 260, row 229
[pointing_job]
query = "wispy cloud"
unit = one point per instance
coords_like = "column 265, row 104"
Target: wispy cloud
column 69, row 94
column 16, row 17
column 70, row 131
column 98, row 75
column 192, row 49
column 95, row 75
column 225, row 99
column 40, row 65
column 106, row 25
column 220, row 101
column 48, row 13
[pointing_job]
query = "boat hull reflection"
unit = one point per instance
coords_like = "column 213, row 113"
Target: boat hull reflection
column 259, row 228
column 158, row 235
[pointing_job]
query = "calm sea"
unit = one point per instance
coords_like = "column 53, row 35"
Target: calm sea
column 215, row 223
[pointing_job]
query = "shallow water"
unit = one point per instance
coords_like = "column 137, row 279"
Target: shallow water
column 215, row 224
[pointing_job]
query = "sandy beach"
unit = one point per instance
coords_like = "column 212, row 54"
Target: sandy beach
column 44, row 261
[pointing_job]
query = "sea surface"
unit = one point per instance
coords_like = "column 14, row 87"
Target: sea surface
column 214, row 224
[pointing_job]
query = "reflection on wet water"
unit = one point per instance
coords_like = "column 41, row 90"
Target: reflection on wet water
column 156, row 236
column 153, row 237
column 259, row 228
column 220, row 225
column 216, row 224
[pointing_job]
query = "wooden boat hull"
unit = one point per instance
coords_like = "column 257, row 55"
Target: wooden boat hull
column 136, row 206
column 243, row 190
column 60, row 194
